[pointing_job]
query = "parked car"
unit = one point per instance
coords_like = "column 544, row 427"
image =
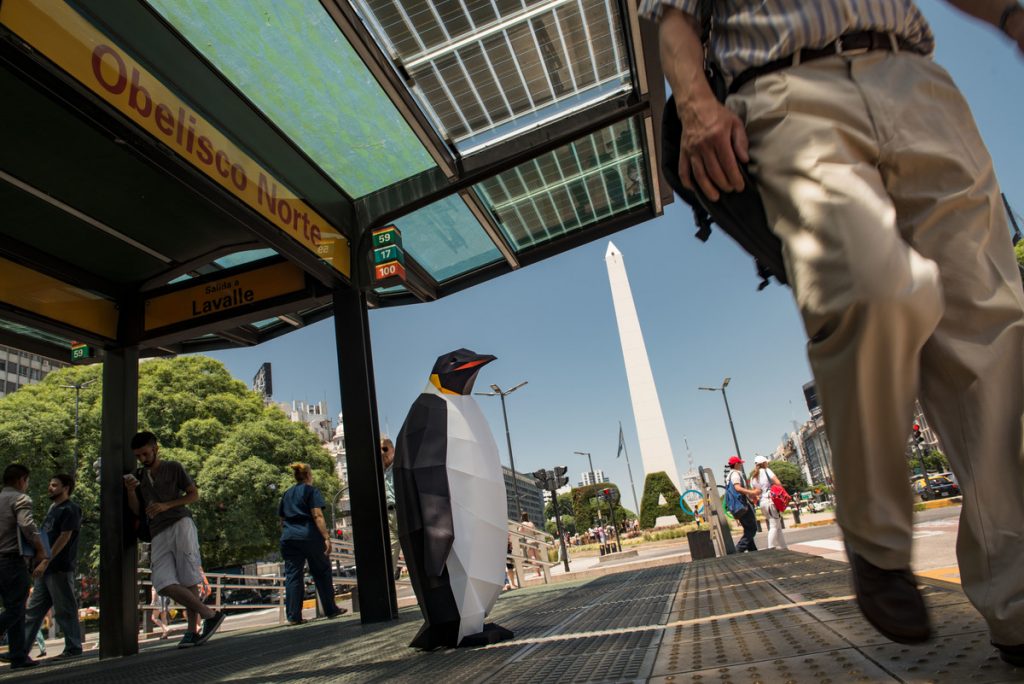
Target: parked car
column 938, row 487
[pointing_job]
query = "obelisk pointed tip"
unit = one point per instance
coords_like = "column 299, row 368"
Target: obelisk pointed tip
column 613, row 251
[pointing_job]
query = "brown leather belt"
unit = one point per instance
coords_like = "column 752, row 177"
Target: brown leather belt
column 855, row 43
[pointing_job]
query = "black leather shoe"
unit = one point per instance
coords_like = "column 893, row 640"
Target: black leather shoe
column 1014, row 655
column 890, row 601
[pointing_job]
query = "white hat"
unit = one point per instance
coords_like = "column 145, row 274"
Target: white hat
column 760, row 459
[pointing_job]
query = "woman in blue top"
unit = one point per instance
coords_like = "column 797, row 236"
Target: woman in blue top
column 304, row 538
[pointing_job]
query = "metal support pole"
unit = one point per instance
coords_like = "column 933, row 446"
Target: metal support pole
column 511, row 460
column 632, row 487
column 74, row 463
column 728, row 413
column 118, row 555
column 611, row 514
column 378, row 600
column 558, row 521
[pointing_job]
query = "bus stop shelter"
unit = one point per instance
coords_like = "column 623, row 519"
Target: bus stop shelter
column 180, row 176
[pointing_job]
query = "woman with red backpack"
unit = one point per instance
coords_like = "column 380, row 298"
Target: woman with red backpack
column 763, row 479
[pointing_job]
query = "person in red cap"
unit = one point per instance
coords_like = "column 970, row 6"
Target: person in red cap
column 747, row 519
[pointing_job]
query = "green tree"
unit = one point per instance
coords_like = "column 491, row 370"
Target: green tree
column 565, row 508
column 1019, row 251
column 790, row 476
column 588, row 510
column 235, row 448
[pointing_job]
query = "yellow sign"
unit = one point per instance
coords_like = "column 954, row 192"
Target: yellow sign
column 62, row 35
column 223, row 295
column 54, row 299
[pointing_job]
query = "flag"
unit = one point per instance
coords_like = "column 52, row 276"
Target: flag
column 622, row 442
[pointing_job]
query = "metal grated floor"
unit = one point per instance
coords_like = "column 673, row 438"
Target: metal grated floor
column 764, row 617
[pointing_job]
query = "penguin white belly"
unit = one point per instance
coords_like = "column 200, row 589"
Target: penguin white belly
column 476, row 564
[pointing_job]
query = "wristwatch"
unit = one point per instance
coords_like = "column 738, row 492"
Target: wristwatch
column 1010, row 10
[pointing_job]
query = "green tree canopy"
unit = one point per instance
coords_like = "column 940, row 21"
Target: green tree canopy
column 586, row 505
column 790, row 476
column 235, row 448
column 565, row 508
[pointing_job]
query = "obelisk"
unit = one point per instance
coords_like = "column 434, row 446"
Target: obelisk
column 655, row 450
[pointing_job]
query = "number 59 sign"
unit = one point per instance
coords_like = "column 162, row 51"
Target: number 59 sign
column 388, row 257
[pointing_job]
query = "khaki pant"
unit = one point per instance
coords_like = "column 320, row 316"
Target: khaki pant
column 898, row 249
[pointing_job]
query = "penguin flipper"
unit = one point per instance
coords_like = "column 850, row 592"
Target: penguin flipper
column 421, row 482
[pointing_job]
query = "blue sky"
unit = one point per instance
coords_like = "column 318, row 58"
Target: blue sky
column 553, row 324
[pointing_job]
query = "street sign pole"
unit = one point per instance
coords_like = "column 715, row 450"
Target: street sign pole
column 558, row 519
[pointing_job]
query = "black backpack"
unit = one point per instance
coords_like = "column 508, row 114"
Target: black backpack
column 740, row 214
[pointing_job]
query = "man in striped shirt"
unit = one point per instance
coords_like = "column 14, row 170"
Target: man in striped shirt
column 875, row 179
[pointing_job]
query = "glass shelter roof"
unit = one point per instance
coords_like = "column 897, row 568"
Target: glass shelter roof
column 491, row 133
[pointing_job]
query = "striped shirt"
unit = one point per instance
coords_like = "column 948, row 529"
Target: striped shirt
column 748, row 33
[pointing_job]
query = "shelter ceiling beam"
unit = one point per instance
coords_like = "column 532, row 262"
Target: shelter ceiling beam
column 31, row 257
column 200, row 261
column 386, row 205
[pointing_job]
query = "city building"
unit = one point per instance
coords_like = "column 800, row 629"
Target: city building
column 262, row 383
column 546, row 493
column 529, row 495
column 19, row 368
column 313, row 415
column 596, row 477
column 336, row 447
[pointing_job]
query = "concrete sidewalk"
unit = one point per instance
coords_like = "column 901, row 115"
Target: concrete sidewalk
column 771, row 616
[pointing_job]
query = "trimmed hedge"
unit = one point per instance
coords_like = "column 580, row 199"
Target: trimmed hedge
column 656, row 485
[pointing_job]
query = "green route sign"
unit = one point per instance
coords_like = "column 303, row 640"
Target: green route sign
column 81, row 352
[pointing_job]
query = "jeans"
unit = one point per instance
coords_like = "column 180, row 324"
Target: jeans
column 749, row 522
column 14, row 584
column 296, row 553
column 56, row 589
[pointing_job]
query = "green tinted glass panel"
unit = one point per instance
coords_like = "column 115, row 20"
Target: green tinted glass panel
column 292, row 62
column 575, row 186
column 446, row 239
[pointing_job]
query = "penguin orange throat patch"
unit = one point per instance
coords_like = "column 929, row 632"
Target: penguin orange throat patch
column 435, row 380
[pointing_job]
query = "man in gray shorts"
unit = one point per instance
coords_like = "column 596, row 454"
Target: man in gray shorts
column 165, row 490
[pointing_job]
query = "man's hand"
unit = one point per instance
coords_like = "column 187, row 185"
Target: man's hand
column 713, row 140
column 41, row 563
column 156, row 508
column 130, row 482
column 327, row 546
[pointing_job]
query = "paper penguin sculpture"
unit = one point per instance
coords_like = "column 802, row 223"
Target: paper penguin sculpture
column 450, row 494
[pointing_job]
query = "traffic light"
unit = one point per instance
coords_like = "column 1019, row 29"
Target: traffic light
column 560, row 478
column 540, row 478
column 918, row 437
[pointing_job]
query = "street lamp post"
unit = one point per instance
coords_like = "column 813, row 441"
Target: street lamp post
column 725, row 383
column 78, row 389
column 590, row 462
column 498, row 392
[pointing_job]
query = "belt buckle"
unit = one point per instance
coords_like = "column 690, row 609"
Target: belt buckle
column 849, row 53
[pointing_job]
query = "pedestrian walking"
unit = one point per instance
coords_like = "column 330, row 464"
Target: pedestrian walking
column 304, row 539
column 746, row 518
column 56, row 587
column 875, row 179
column 761, row 479
column 387, row 457
column 16, row 523
column 161, row 491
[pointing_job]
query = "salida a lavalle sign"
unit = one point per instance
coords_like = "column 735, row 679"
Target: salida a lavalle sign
column 226, row 294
